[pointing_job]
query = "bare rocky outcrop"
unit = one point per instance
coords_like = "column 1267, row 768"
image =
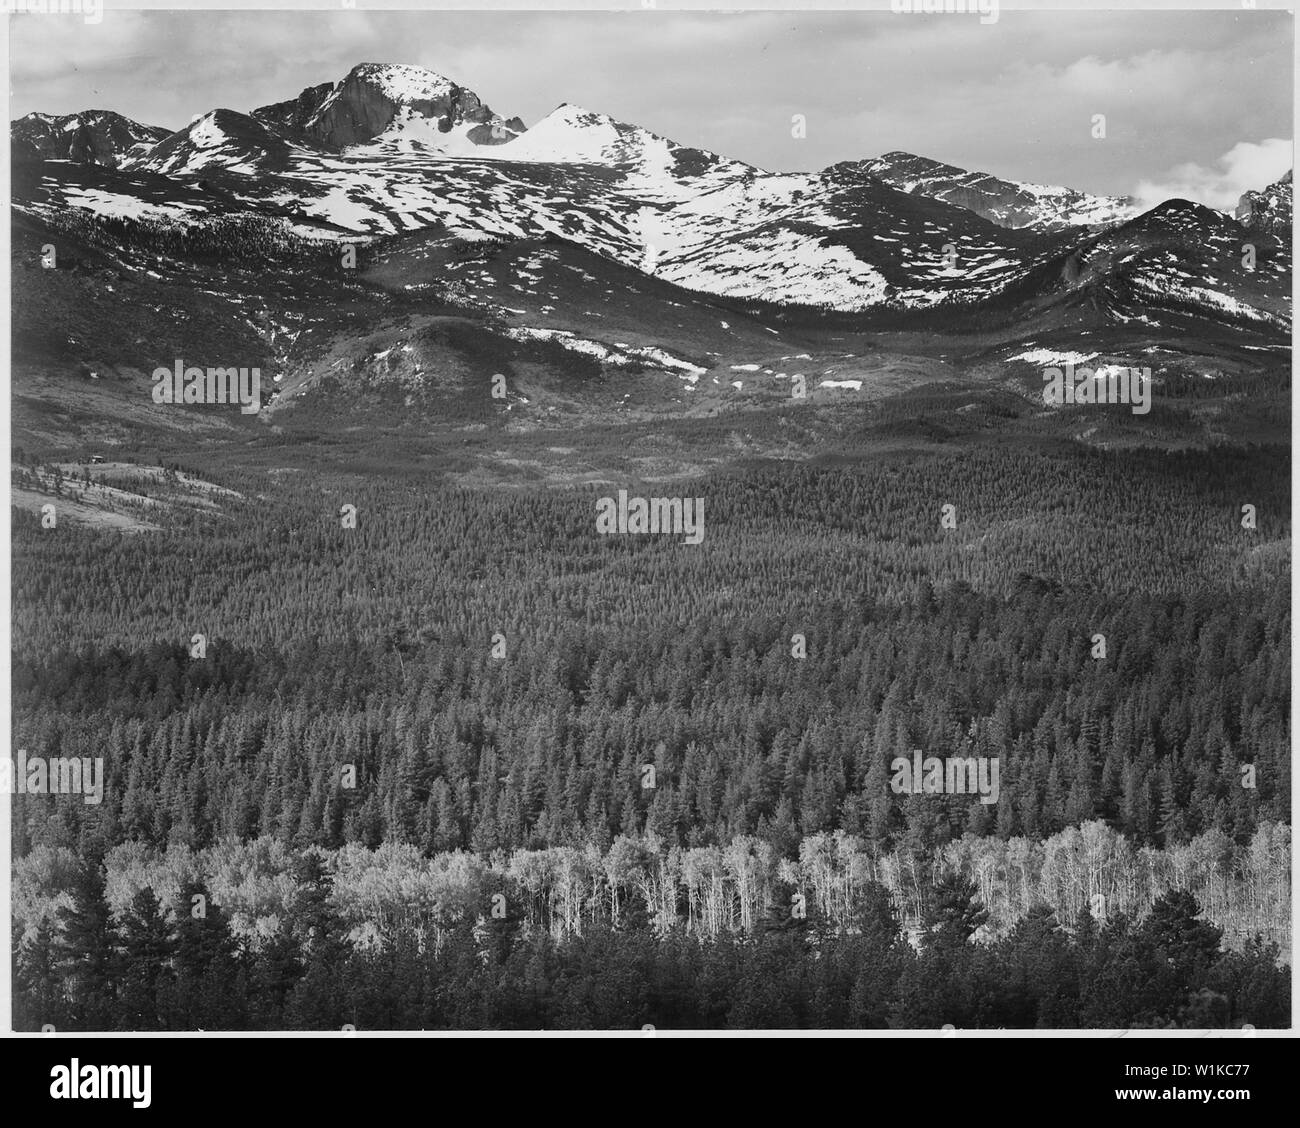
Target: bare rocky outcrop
column 1268, row 211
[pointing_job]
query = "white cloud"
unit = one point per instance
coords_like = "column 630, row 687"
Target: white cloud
column 1248, row 165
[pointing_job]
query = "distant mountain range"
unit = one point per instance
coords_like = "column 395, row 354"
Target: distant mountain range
column 586, row 237
column 396, row 148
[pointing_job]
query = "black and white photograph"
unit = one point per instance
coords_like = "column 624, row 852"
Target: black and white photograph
column 651, row 520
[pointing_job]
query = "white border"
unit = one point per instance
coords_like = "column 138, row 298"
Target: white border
column 6, row 907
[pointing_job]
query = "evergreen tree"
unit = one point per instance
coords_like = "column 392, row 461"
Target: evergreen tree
column 953, row 913
column 148, row 943
column 89, row 952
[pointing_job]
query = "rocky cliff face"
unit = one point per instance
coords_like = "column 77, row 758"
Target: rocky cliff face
column 292, row 116
column 91, row 137
column 1269, row 210
column 376, row 99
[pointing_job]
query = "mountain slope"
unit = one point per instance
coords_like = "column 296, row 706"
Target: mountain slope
column 572, row 135
column 841, row 240
column 221, row 139
column 1008, row 203
column 1176, row 273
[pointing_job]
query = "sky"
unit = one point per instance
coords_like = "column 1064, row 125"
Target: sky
column 1197, row 104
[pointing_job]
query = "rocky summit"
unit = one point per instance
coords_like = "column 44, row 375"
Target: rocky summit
column 388, row 101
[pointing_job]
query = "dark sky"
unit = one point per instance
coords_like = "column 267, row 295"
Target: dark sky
column 1197, row 103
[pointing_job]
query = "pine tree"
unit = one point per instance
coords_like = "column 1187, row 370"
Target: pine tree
column 148, row 943
column 89, row 952
column 1173, row 928
column 38, row 988
column 953, row 913
column 202, row 995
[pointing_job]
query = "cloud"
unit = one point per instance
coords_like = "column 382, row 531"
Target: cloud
column 1248, row 165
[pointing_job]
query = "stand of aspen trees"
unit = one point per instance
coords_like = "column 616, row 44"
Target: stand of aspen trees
column 636, row 883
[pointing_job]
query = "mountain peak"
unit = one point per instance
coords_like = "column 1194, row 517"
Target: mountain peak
column 897, row 158
column 402, row 82
column 101, row 137
column 573, row 114
column 220, row 138
column 407, row 105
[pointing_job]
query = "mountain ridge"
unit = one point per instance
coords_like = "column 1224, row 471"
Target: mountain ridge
column 1007, row 203
column 536, row 235
column 101, row 137
column 404, row 108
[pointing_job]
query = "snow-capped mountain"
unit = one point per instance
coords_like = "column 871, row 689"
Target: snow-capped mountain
column 1008, row 203
column 219, row 140
column 390, row 149
column 89, row 137
column 393, row 148
column 572, row 135
column 1178, row 265
column 389, row 104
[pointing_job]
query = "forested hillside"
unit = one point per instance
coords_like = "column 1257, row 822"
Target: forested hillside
column 459, row 699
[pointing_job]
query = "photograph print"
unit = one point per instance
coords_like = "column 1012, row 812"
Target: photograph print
column 650, row 520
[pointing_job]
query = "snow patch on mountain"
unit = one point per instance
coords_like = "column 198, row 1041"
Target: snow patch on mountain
column 620, row 354
column 403, row 83
column 118, row 205
column 1051, row 357
column 784, row 266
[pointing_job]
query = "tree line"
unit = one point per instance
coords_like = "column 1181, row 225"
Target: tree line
column 177, row 965
column 705, row 891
